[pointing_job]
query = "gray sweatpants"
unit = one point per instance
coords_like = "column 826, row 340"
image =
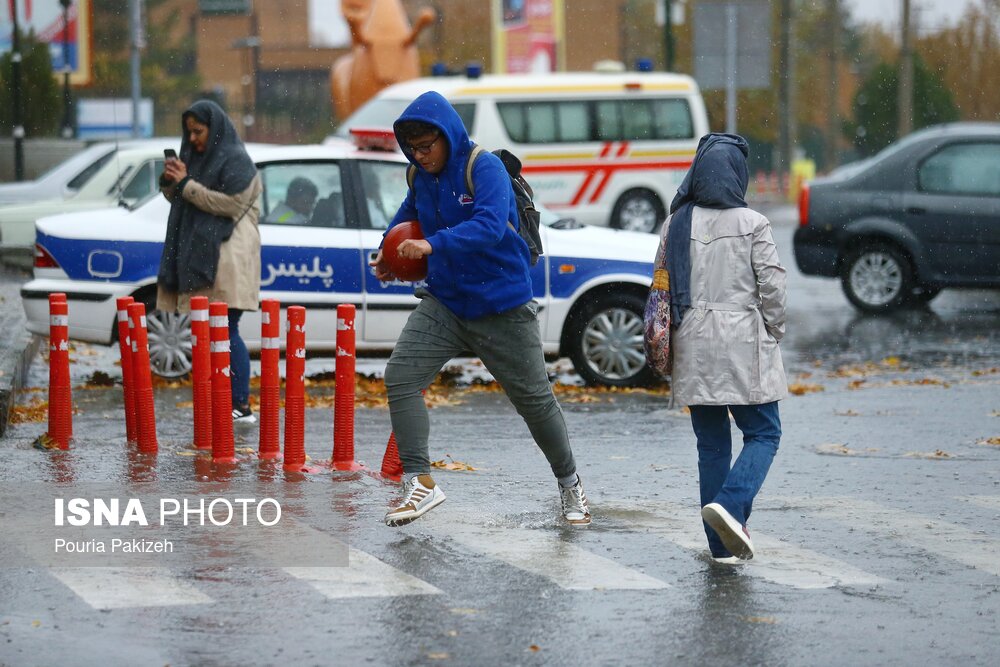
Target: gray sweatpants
column 509, row 345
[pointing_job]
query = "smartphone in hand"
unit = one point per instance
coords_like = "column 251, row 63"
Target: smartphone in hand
column 169, row 153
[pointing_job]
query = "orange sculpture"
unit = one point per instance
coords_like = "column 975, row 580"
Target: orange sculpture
column 383, row 51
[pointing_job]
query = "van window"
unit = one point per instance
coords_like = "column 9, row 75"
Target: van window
column 597, row 120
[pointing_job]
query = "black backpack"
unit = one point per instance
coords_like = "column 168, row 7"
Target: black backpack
column 528, row 216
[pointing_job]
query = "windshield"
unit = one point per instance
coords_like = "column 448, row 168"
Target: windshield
column 377, row 113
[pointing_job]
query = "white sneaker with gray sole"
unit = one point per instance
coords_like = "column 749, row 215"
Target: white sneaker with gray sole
column 575, row 509
column 420, row 496
column 735, row 536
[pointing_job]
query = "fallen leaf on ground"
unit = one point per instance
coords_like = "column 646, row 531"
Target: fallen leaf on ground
column 847, row 413
column 799, row 388
column 451, row 464
column 37, row 410
column 770, row 620
column 990, row 441
column 936, row 454
column 839, row 449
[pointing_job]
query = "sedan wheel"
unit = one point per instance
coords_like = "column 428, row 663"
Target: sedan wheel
column 607, row 348
column 877, row 278
column 169, row 343
column 638, row 211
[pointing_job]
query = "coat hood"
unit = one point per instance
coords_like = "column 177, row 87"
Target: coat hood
column 432, row 108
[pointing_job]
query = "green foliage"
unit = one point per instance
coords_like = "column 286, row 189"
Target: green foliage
column 40, row 91
column 875, row 124
column 168, row 75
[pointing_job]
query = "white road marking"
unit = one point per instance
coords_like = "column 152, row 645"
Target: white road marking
column 924, row 532
column 989, row 502
column 569, row 566
column 125, row 587
column 775, row 560
column 365, row 577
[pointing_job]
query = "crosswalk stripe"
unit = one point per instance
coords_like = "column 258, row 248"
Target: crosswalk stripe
column 364, row 575
column 567, row 565
column 124, row 587
column 927, row 533
column 989, row 502
column 775, row 560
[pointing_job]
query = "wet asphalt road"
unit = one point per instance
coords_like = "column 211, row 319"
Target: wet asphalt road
column 876, row 530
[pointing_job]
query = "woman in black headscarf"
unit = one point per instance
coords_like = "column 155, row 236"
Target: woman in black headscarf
column 727, row 292
column 212, row 247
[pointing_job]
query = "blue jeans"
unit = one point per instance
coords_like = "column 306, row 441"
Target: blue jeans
column 734, row 488
column 239, row 362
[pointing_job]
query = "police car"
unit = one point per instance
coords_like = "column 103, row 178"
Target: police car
column 590, row 283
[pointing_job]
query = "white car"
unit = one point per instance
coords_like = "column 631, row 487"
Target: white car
column 127, row 176
column 590, row 283
column 66, row 178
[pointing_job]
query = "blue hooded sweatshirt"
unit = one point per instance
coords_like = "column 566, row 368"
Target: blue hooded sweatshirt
column 480, row 265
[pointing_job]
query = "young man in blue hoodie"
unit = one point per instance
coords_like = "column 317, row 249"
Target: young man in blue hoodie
column 478, row 298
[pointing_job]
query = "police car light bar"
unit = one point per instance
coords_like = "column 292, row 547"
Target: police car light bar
column 374, row 139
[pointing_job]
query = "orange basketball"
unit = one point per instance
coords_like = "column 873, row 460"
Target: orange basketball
column 404, row 268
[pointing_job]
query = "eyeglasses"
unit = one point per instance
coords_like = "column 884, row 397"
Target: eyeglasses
column 423, row 149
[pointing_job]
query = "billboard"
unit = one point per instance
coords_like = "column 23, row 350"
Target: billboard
column 528, row 36
column 69, row 43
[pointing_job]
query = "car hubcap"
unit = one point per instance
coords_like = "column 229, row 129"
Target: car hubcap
column 612, row 344
column 638, row 215
column 169, row 343
column 876, row 278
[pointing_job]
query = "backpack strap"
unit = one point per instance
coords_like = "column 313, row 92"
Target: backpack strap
column 476, row 150
column 411, row 171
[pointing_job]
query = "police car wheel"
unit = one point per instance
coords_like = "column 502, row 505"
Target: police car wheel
column 606, row 342
column 169, row 343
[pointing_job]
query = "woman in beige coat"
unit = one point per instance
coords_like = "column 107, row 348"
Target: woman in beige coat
column 212, row 247
column 727, row 291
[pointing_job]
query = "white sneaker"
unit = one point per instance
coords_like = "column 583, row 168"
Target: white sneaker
column 241, row 416
column 728, row 560
column 575, row 509
column 735, row 536
column 421, row 496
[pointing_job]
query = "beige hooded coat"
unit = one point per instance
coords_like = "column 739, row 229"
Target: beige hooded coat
column 237, row 280
column 726, row 348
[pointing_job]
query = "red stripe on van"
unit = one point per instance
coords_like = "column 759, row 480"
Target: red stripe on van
column 583, row 188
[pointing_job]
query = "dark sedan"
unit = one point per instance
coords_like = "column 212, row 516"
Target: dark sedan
column 922, row 215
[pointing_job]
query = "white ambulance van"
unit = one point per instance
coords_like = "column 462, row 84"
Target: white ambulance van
column 604, row 148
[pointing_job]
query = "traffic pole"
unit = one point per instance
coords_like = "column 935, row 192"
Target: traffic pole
column 142, row 378
column 295, row 388
column 60, row 392
column 344, row 397
column 201, row 373
column 270, row 379
column 392, row 467
column 125, row 351
column 223, row 446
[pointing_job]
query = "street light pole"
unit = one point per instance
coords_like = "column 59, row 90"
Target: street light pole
column 18, row 130
column 67, row 124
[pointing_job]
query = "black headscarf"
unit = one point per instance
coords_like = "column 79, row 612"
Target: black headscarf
column 191, row 248
column 718, row 178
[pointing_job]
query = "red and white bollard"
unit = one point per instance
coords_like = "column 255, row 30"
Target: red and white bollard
column 344, row 398
column 270, row 379
column 201, row 373
column 142, row 378
column 392, row 467
column 295, row 389
column 60, row 392
column 125, row 350
column 223, row 446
